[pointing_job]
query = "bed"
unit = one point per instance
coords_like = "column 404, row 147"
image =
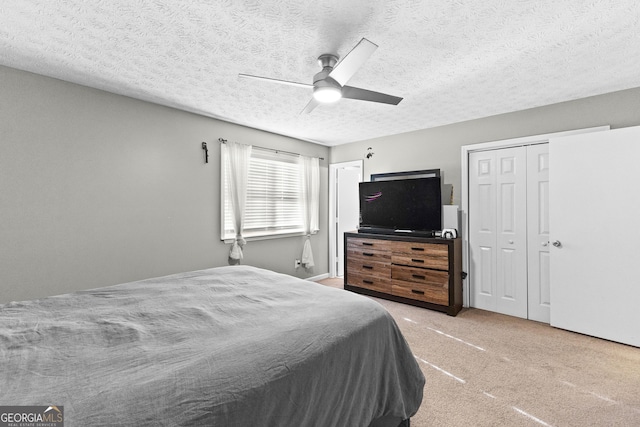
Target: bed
column 228, row 346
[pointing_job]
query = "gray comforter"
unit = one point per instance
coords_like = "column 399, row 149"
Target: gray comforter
column 229, row 346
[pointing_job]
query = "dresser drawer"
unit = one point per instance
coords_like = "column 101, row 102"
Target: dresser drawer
column 370, row 244
column 420, row 275
column 374, row 283
column 420, row 248
column 368, row 267
column 417, row 254
column 421, row 261
column 368, row 255
column 421, row 292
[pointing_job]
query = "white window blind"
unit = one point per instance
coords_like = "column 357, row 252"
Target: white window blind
column 274, row 195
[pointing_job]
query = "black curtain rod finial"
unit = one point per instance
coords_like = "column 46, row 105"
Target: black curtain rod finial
column 206, row 152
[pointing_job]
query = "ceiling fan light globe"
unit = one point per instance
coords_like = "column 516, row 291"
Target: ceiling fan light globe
column 327, row 94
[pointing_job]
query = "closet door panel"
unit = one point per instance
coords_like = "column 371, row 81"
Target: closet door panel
column 482, row 229
column 511, row 235
column 538, row 232
column 497, row 231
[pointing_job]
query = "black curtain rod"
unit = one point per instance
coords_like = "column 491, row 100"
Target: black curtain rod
column 224, row 141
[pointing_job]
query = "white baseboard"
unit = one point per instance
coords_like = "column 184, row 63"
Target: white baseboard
column 319, row 277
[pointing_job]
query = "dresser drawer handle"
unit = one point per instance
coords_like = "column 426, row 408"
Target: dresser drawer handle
column 418, row 276
column 368, row 267
column 414, row 291
column 418, row 249
column 367, row 254
column 367, row 244
column 417, row 260
column 368, row 282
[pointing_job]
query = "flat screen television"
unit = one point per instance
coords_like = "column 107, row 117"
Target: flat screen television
column 401, row 206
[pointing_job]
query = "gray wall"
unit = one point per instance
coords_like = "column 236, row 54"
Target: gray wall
column 439, row 148
column 98, row 189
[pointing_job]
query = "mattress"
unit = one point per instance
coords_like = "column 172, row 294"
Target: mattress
column 228, row 346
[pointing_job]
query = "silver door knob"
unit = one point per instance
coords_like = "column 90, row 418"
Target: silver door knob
column 557, row 244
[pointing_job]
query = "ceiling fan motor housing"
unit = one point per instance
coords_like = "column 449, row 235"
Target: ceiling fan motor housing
column 326, row 89
column 327, row 62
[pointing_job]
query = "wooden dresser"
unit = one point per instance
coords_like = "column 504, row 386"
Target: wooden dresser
column 421, row 271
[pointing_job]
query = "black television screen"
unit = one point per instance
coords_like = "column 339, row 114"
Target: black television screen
column 406, row 205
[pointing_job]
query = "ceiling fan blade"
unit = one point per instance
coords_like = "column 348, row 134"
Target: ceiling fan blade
column 369, row 95
column 310, row 106
column 269, row 79
column 352, row 61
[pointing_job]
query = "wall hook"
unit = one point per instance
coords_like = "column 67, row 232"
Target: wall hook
column 206, row 152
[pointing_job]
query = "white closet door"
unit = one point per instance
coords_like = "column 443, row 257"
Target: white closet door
column 538, row 232
column 482, row 229
column 595, row 206
column 512, row 231
column 497, row 230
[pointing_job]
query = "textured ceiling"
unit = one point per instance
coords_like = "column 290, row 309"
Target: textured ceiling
column 450, row 60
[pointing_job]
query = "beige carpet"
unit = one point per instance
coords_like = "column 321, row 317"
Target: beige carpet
column 487, row 369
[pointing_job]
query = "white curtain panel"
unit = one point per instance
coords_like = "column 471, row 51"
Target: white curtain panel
column 238, row 163
column 311, row 200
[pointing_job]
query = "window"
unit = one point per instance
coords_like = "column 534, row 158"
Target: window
column 274, row 203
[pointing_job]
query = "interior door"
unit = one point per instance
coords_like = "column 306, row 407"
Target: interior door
column 511, row 198
column 482, row 229
column 497, row 230
column 538, row 283
column 347, row 207
column 594, row 206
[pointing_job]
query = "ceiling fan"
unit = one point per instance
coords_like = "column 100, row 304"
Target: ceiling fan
column 329, row 85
